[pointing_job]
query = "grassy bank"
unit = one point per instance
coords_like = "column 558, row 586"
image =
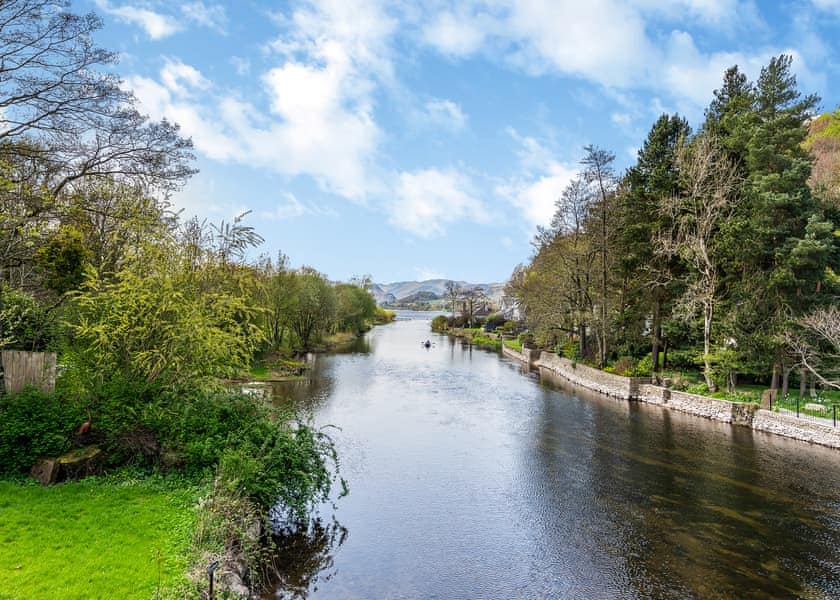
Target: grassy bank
column 96, row 538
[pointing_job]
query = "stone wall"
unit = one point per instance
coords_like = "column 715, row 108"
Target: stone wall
column 609, row 384
column 736, row 413
column 528, row 355
column 798, row 429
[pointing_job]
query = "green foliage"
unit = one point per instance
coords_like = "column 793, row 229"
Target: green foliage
column 383, row 316
column 479, row 339
column 163, row 322
column 25, row 324
column 355, row 308
column 35, row 424
column 570, row 349
column 494, row 321
column 62, row 260
column 440, row 324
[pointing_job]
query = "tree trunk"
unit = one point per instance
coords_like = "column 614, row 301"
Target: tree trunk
column 803, row 381
column 665, row 356
column 813, row 387
column 657, row 334
column 785, row 380
column 582, row 347
column 707, row 345
column 774, row 380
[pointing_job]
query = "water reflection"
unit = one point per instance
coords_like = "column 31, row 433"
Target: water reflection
column 304, row 557
column 470, row 479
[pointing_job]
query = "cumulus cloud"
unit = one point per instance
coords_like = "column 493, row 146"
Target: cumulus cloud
column 534, row 192
column 320, row 118
column 212, row 16
column 430, row 199
column 613, row 43
column 456, row 34
column 156, row 25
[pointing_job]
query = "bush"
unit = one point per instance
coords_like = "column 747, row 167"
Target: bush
column 570, row 349
column 35, row 424
column 624, row 366
column 256, row 451
column 494, row 321
column 527, row 340
column 440, row 323
column 683, row 359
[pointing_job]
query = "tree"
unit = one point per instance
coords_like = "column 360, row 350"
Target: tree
column 649, row 276
column 55, row 88
column 600, row 174
column 710, row 185
column 451, row 292
column 818, row 345
column 355, row 308
column 313, row 305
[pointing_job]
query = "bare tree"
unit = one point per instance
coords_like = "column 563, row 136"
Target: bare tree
column 452, row 292
column 818, row 345
column 600, row 175
column 710, row 184
column 56, row 93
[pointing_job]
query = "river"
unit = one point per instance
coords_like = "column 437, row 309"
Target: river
column 469, row 478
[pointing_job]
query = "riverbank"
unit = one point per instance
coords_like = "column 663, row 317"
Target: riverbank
column 641, row 389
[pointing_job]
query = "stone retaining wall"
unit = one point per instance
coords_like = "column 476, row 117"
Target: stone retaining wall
column 627, row 388
column 798, row 429
column 737, row 413
column 528, row 355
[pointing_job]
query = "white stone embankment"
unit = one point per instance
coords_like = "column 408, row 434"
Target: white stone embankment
column 641, row 389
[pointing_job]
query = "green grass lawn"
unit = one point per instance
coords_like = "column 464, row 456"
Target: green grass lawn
column 515, row 344
column 93, row 539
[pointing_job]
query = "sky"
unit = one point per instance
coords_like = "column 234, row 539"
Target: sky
column 416, row 140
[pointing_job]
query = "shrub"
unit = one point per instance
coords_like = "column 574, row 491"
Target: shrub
column 440, row 323
column 570, row 349
column 624, row 366
column 35, row 424
column 494, row 321
column 527, row 340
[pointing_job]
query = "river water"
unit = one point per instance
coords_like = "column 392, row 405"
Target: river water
column 470, row 478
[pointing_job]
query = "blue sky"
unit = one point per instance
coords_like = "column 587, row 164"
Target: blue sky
column 412, row 140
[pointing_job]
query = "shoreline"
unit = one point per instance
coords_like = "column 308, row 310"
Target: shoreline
column 640, row 389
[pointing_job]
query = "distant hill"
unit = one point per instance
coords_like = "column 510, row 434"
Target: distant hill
column 429, row 290
column 824, row 143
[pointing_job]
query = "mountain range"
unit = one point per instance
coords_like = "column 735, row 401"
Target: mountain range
column 400, row 290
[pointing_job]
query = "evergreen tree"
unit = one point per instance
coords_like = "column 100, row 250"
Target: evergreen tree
column 648, row 276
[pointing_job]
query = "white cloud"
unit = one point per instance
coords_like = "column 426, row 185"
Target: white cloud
column 534, row 192
column 446, row 114
column 320, row 120
column 156, row 25
column 181, row 78
column 455, row 35
column 428, row 200
column 289, row 207
column 617, row 44
column 212, row 16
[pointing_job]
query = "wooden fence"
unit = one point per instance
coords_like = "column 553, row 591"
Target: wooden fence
column 21, row 369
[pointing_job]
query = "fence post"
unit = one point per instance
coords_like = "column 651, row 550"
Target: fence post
column 834, row 414
column 797, row 407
